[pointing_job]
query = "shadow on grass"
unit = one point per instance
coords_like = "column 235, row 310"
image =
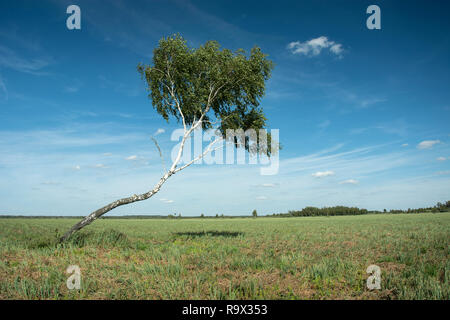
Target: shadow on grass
column 227, row 234
column 109, row 237
column 104, row 238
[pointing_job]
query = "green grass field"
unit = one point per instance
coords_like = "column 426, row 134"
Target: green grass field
column 262, row 258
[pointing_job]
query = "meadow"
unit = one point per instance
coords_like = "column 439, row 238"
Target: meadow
column 220, row 258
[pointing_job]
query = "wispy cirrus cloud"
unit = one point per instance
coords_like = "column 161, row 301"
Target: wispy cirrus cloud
column 131, row 158
column 357, row 162
column 360, row 101
column 367, row 102
column 50, row 183
column 265, row 185
column 143, row 23
column 351, row 98
column 269, row 185
column 100, row 166
column 10, row 59
column 315, row 46
column 398, row 127
column 25, row 164
column 349, row 181
column 64, row 138
column 324, row 124
column 3, row 89
column 73, row 87
column 121, row 87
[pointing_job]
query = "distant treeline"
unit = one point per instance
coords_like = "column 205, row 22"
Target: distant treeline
column 305, row 212
column 439, row 207
column 342, row 210
column 39, row 217
column 327, row 211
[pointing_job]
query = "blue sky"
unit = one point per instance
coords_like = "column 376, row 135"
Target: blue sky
column 363, row 114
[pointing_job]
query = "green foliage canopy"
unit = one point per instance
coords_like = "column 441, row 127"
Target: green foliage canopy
column 210, row 84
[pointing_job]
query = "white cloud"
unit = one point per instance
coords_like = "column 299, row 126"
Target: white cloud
column 405, row 145
column 441, row 159
column 77, row 167
column 159, row 131
column 350, row 181
column 269, row 185
column 336, row 49
column 321, row 174
column 427, row 144
column 261, row 198
column 133, row 157
column 313, row 47
column 50, row 183
column 166, row 200
column 100, row 166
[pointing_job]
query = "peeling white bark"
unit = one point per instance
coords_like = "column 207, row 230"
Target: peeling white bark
column 98, row 213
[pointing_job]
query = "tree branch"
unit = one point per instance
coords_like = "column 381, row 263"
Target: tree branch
column 208, row 149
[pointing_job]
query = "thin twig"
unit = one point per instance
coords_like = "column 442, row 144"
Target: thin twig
column 160, row 153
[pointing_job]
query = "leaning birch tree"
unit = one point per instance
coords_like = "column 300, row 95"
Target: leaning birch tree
column 202, row 88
